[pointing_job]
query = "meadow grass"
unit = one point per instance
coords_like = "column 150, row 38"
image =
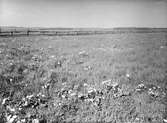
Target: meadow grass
column 69, row 62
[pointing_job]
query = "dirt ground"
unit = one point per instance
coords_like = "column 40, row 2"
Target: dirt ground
column 117, row 78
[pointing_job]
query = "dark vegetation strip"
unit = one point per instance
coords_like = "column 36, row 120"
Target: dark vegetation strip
column 69, row 32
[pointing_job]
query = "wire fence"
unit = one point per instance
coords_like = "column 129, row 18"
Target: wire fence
column 43, row 32
column 73, row 32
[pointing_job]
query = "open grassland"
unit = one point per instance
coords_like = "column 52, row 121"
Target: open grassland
column 118, row 78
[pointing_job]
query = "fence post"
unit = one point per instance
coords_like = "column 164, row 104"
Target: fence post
column 11, row 33
column 28, row 31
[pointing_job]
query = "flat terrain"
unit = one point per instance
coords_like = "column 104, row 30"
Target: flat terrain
column 92, row 78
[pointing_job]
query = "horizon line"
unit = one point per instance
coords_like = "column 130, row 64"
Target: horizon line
column 81, row 27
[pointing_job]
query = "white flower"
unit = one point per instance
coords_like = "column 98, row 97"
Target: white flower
column 165, row 120
column 63, row 96
column 43, row 95
column 127, row 75
column 141, row 85
column 107, row 82
column 85, row 84
column 35, row 121
column 20, row 108
column 70, row 91
column 23, row 98
column 158, row 87
column 90, row 90
column 30, row 96
column 39, row 94
column 90, row 100
column 87, row 68
column 80, row 94
column 4, row 101
column 23, row 120
column 11, row 118
column 8, row 117
column 153, row 93
column 150, row 89
column 73, row 94
column 82, row 52
column 11, row 109
column 137, row 119
column 154, row 88
column 26, row 103
column 52, row 56
column 114, row 84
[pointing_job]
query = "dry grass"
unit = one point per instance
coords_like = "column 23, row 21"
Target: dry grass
column 70, row 61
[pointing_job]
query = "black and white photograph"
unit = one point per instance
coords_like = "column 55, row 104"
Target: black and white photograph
column 83, row 61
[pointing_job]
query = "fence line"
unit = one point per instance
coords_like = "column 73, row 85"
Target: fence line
column 33, row 32
column 70, row 32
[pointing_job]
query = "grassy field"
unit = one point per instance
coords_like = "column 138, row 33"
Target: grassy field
column 117, row 78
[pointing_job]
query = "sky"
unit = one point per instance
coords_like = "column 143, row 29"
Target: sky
column 83, row 13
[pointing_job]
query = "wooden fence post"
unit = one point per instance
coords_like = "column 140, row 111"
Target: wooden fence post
column 11, row 33
column 28, row 31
